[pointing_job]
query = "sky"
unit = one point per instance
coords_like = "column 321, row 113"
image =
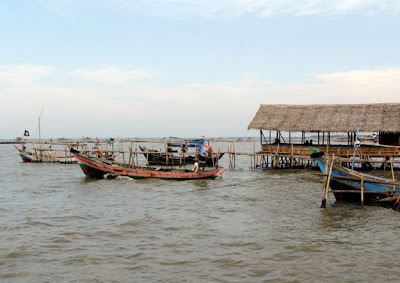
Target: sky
column 160, row 68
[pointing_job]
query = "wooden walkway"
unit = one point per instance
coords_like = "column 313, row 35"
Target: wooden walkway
column 270, row 156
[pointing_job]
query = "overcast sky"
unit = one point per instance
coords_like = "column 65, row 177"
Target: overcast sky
column 159, row 68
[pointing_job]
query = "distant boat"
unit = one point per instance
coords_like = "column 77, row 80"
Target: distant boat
column 346, row 184
column 155, row 157
column 180, row 142
column 43, row 156
column 99, row 168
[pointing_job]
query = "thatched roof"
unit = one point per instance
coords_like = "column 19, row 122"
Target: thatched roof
column 380, row 117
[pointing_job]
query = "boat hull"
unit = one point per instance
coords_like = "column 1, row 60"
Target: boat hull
column 346, row 184
column 93, row 167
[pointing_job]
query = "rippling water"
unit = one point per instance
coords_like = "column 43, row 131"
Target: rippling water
column 248, row 226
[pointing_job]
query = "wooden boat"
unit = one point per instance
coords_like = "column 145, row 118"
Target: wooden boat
column 43, row 155
column 348, row 184
column 180, row 142
column 99, row 168
column 154, row 157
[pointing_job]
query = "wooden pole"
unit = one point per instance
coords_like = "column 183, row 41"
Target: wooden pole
column 166, row 154
column 234, row 154
column 130, row 156
column 217, row 160
column 229, row 155
column 291, row 155
column 180, row 155
column 254, row 156
column 327, row 183
column 391, row 167
column 362, row 192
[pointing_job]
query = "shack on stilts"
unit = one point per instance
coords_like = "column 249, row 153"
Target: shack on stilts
column 287, row 131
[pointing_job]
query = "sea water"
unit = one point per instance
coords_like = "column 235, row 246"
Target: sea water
column 56, row 225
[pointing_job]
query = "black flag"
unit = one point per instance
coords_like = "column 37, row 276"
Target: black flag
column 26, row 133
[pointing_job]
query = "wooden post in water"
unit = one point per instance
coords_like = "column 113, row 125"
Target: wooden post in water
column 276, row 157
column 291, row 155
column 327, row 182
column 362, row 192
column 130, row 156
column 229, row 155
column 217, row 160
column 254, row 155
column 180, row 155
column 166, row 154
column 234, row 154
column 391, row 167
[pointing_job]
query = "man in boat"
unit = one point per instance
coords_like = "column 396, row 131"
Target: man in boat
column 195, row 166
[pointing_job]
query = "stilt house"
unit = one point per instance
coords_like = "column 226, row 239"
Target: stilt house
column 316, row 124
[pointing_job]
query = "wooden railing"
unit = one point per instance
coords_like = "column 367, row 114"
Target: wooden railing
column 338, row 150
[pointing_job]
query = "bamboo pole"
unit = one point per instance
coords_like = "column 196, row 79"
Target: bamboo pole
column 234, row 154
column 391, row 168
column 180, row 156
column 218, row 154
column 130, row 156
column 229, row 156
column 327, row 182
column 362, row 192
column 166, row 154
column 291, row 154
column 254, row 156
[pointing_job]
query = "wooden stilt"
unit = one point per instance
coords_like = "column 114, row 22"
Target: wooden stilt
column 362, row 192
column 327, row 183
column 291, row 155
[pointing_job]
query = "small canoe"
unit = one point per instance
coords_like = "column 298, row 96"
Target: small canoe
column 99, row 168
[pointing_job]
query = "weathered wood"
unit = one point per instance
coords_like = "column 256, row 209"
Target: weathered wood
column 357, row 191
column 368, row 180
column 362, row 192
column 327, row 183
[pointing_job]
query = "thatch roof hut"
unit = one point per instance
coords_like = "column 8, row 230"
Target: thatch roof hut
column 379, row 117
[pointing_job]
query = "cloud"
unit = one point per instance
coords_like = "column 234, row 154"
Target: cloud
column 23, row 74
column 215, row 109
column 357, row 86
column 229, row 8
column 112, row 75
column 260, row 8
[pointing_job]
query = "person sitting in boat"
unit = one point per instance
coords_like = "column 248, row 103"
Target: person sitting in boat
column 195, row 166
column 357, row 144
